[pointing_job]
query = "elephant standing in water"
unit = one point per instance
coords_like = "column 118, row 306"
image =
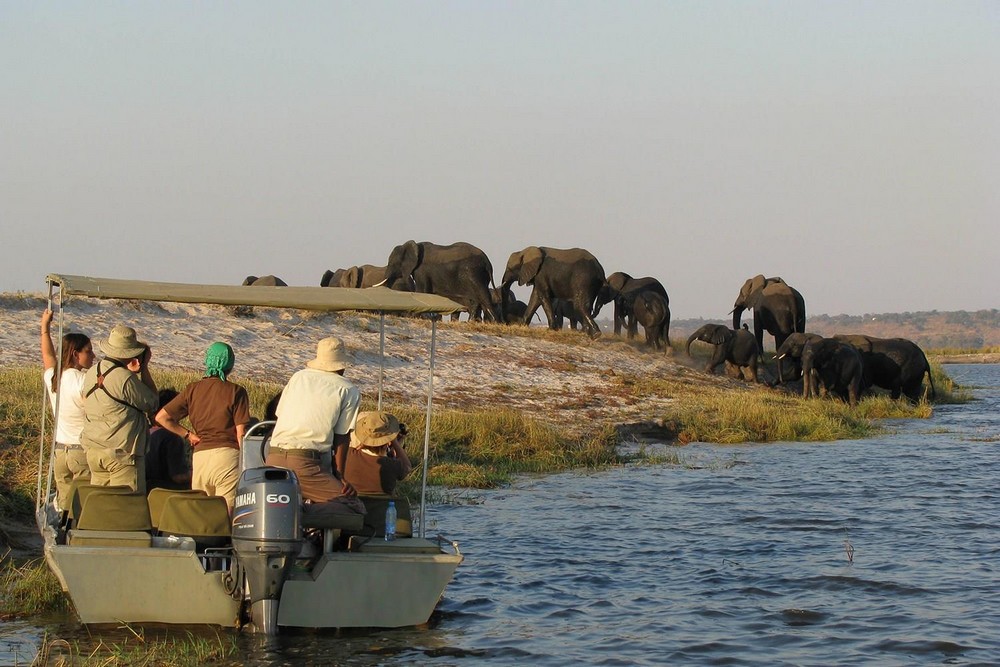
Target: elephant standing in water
column 264, row 281
column 838, row 369
column 460, row 271
column 777, row 307
column 896, row 364
column 737, row 348
column 572, row 274
column 618, row 287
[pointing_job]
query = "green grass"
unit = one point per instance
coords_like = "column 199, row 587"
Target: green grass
column 138, row 650
column 29, row 588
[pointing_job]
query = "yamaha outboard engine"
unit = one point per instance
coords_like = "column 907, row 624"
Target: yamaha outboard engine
column 266, row 538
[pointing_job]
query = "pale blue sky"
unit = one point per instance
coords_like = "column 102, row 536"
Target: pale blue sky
column 852, row 148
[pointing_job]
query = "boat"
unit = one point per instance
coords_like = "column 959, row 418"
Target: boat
column 120, row 562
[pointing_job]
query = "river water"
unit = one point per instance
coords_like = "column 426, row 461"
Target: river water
column 882, row 551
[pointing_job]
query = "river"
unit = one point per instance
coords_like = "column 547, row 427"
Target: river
column 882, row 551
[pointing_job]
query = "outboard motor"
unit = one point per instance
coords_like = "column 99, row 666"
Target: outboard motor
column 266, row 538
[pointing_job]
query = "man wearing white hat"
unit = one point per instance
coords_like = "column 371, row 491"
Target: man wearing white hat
column 118, row 393
column 316, row 414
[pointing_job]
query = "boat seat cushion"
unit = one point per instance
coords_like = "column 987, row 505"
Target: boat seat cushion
column 109, row 538
column 83, row 488
column 204, row 518
column 158, row 498
column 331, row 516
column 111, row 510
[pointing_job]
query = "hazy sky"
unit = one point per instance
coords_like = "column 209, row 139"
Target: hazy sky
column 852, row 148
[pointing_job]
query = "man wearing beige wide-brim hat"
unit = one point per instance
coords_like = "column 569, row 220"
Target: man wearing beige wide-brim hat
column 316, row 415
column 118, row 393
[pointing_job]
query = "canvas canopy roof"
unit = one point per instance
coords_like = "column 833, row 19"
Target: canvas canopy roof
column 304, row 298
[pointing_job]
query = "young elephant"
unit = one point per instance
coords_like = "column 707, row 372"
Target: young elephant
column 838, row 369
column 788, row 356
column 650, row 309
column 735, row 347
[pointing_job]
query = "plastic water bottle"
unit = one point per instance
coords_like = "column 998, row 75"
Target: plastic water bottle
column 390, row 522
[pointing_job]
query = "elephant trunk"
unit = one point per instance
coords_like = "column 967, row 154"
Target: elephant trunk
column 691, row 339
column 737, row 315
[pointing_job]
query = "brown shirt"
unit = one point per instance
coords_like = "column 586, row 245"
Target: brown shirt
column 372, row 475
column 216, row 408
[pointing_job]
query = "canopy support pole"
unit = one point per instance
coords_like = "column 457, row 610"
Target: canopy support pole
column 381, row 356
column 427, row 426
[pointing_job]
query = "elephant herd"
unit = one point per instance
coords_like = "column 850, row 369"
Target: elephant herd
column 570, row 284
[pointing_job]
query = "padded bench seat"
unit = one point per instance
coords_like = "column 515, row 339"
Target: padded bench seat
column 110, row 538
column 317, row 518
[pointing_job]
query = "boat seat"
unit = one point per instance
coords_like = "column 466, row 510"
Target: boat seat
column 81, row 489
column 315, row 515
column 200, row 517
column 375, row 518
column 158, row 498
column 110, row 518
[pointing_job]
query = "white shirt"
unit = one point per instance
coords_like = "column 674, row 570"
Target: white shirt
column 314, row 406
column 72, row 416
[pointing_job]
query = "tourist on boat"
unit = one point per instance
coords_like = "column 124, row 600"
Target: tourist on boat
column 377, row 461
column 118, row 393
column 219, row 411
column 70, row 461
column 316, row 413
column 166, row 459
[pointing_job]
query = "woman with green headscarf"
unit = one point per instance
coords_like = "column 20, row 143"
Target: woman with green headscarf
column 219, row 411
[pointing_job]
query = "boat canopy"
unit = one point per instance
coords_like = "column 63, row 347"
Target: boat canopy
column 380, row 299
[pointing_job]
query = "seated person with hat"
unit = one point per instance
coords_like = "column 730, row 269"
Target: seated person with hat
column 316, row 413
column 377, row 461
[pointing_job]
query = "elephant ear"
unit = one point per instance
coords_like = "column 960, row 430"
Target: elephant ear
column 327, row 277
column 531, row 262
column 617, row 280
column 720, row 335
column 249, row 280
column 412, row 255
column 353, row 276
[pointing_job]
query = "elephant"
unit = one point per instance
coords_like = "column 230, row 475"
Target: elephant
column 563, row 310
column 264, row 281
column 617, row 287
column 896, row 364
column 652, row 311
column 366, row 275
column 738, row 348
column 512, row 309
column 790, row 353
column 778, row 309
column 833, row 365
column 573, row 274
column 460, row 271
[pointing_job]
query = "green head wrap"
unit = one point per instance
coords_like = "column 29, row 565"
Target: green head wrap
column 219, row 360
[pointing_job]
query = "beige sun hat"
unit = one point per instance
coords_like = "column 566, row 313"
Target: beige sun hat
column 331, row 355
column 121, row 343
column 374, row 429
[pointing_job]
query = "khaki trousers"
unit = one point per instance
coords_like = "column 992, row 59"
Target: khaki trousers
column 216, row 472
column 109, row 467
column 70, row 464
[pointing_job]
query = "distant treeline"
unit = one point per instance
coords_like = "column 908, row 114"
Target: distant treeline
column 930, row 330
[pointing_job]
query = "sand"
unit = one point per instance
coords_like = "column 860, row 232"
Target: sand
column 476, row 366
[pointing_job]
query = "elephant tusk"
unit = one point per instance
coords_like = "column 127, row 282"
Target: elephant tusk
column 381, row 283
